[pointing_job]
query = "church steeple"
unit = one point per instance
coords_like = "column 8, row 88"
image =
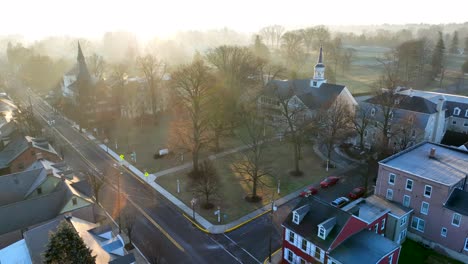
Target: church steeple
column 319, row 71
column 83, row 69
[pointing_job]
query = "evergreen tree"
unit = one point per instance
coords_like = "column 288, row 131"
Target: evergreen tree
column 438, row 56
column 454, row 46
column 66, row 247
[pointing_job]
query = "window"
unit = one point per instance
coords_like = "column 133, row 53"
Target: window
column 321, row 233
column 465, row 124
column 376, row 228
column 317, row 253
column 315, row 83
column 21, row 166
column 456, row 111
column 389, row 194
column 454, row 122
column 406, row 200
column 74, row 201
column 418, row 223
column 383, row 224
column 390, row 258
column 372, row 112
column 409, row 185
column 424, row 208
column 427, row 191
column 402, row 236
column 296, row 218
column 466, row 244
column 403, row 220
column 391, row 178
column 456, row 219
column 39, row 190
column 291, row 237
column 304, row 245
column 443, row 232
column 466, row 113
column 302, row 261
column 289, row 255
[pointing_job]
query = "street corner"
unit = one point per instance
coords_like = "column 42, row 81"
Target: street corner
column 196, row 224
column 275, row 257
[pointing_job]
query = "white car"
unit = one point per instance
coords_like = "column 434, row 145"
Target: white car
column 340, row 202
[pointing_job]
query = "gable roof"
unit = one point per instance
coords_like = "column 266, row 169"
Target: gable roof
column 458, row 201
column 363, row 247
column 37, row 238
column 13, row 150
column 319, row 213
column 414, row 103
column 313, row 98
column 14, row 187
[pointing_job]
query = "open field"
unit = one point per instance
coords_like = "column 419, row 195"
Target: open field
column 279, row 157
column 412, row 252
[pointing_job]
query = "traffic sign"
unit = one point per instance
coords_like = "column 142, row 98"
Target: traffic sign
column 122, row 156
column 146, row 174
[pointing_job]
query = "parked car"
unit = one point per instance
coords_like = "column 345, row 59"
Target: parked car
column 329, row 181
column 309, row 191
column 357, row 192
column 340, row 202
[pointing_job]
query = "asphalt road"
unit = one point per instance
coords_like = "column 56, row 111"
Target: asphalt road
column 161, row 231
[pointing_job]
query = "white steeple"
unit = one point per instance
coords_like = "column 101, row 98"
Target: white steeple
column 319, row 72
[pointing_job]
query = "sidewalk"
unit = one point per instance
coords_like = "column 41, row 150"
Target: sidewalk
column 201, row 222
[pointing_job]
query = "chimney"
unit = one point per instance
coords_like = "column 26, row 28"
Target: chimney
column 432, row 153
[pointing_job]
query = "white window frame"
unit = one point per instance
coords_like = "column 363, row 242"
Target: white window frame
column 383, row 224
column 425, row 212
column 443, row 232
column 390, row 259
column 430, row 192
column 321, row 232
column 390, row 177
column 376, row 228
column 418, row 224
column 389, row 197
column 293, row 237
column 456, row 111
column 295, row 218
column 459, row 221
column 408, row 198
column 287, row 253
column 466, row 244
column 406, row 186
column 403, row 220
column 302, row 243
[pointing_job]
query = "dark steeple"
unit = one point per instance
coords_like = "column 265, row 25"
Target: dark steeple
column 83, row 73
column 320, row 58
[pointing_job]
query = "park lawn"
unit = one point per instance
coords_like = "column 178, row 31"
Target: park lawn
column 412, row 252
column 279, row 157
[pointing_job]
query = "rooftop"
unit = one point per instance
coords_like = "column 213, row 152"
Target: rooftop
column 364, row 247
column 366, row 211
column 15, row 253
column 395, row 209
column 458, row 201
column 448, row 166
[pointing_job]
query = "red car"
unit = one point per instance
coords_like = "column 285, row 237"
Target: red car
column 309, row 191
column 329, row 181
column 357, row 192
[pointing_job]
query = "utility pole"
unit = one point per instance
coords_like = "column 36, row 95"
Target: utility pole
column 118, row 196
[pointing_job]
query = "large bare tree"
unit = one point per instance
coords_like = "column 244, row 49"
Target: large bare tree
column 96, row 185
column 362, row 122
column 272, row 35
column 251, row 165
column 154, row 71
column 192, row 85
column 293, row 49
column 207, row 184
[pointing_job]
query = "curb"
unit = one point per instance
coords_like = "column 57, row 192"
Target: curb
column 243, row 223
column 272, row 254
column 195, row 224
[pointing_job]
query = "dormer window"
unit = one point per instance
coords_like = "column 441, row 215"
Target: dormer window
column 296, row 218
column 321, row 232
column 456, row 111
column 372, row 112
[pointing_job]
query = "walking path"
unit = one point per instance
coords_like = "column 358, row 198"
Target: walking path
column 200, row 222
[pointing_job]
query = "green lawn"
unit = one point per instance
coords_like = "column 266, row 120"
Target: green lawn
column 412, row 252
column 279, row 157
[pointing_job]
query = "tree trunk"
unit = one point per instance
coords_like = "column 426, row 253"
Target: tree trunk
column 296, row 158
column 254, row 187
column 195, row 161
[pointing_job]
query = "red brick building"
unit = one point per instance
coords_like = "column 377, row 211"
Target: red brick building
column 21, row 152
column 317, row 232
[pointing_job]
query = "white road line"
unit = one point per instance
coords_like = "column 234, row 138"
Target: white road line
column 225, row 249
column 242, row 249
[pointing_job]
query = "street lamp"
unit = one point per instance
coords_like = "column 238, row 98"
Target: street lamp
column 178, row 186
column 107, row 146
column 273, row 209
column 193, row 202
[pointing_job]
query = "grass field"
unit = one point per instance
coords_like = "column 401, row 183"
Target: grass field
column 412, row 252
column 233, row 189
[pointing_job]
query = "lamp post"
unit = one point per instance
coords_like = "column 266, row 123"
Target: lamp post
column 273, row 209
column 193, row 202
column 107, row 146
column 178, row 186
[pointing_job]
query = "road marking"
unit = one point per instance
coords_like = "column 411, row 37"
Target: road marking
column 225, row 249
column 136, row 206
column 242, row 248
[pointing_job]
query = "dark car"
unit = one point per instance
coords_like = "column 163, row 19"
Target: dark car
column 309, row 191
column 340, row 202
column 329, row 181
column 357, row 192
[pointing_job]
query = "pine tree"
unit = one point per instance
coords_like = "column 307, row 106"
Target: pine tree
column 66, row 247
column 438, row 56
column 454, row 45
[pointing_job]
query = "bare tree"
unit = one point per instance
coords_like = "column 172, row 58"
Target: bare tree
column 154, row 71
column 96, row 185
column 347, row 59
column 272, row 35
column 120, row 75
column 293, row 50
column 334, row 123
column 407, row 132
column 251, row 166
column 96, row 66
column 129, row 220
column 296, row 117
column 207, row 183
column 362, row 122
column 193, row 86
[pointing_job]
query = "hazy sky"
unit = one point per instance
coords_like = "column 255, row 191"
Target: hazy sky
column 36, row 18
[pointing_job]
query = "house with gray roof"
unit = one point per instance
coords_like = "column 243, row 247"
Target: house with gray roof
column 306, row 95
column 317, row 232
column 430, row 179
column 427, row 116
column 107, row 246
